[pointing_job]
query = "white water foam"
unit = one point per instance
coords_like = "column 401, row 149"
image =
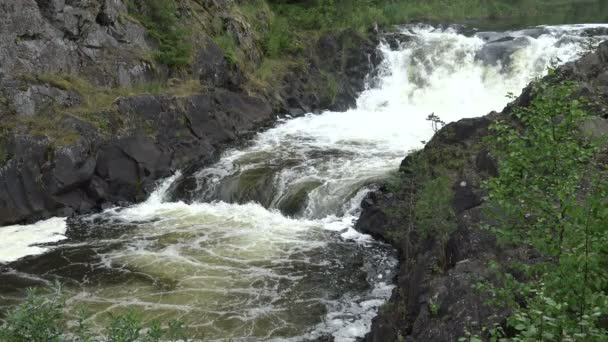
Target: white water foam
column 20, row 241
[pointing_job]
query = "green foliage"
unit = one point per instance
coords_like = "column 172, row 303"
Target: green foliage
column 363, row 14
column 96, row 104
column 41, row 318
column 435, row 217
column 433, row 306
column 37, row 319
column 124, row 328
column 280, row 39
column 228, row 44
column 161, row 20
column 551, row 195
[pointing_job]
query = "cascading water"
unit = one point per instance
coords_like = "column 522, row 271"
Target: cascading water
column 264, row 247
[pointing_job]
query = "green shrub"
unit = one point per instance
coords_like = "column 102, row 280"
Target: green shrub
column 160, row 19
column 434, row 214
column 41, row 318
column 37, row 319
column 551, row 195
column 280, row 39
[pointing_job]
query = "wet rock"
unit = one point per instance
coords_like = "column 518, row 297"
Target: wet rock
column 396, row 40
column 595, row 31
column 500, row 51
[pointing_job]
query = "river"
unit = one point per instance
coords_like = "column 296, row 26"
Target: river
column 262, row 247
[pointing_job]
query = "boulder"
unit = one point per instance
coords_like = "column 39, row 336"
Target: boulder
column 500, row 52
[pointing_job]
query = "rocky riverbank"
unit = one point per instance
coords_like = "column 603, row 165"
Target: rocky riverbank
column 437, row 298
column 91, row 119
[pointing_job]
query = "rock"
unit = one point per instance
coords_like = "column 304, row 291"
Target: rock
column 499, row 52
column 37, row 99
column 214, row 71
column 595, row 31
column 595, row 127
column 396, row 40
column 373, row 220
column 109, row 12
column 465, row 197
column 58, row 36
column 486, row 164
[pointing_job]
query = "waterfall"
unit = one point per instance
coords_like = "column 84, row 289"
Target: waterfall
column 263, row 247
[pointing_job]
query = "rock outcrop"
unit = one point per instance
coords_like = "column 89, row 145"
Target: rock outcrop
column 62, row 154
column 436, row 297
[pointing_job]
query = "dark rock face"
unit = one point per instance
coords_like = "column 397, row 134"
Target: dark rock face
column 82, row 37
column 40, row 181
column 435, row 298
column 339, row 66
column 215, row 71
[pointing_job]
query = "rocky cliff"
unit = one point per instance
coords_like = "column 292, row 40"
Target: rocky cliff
column 96, row 103
column 437, row 298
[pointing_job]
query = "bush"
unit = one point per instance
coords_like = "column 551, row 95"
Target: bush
column 37, row 319
column 160, row 19
column 40, row 318
column 551, row 195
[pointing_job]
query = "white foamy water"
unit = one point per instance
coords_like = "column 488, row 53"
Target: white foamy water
column 264, row 247
column 20, row 241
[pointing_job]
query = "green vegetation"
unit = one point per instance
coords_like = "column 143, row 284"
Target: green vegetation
column 228, row 44
column 551, row 195
column 41, row 318
column 96, row 105
column 434, row 215
column 427, row 188
column 363, row 14
column 160, row 17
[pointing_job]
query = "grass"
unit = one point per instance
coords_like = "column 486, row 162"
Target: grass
column 269, row 74
column 97, row 106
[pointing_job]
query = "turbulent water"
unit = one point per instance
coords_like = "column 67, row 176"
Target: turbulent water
column 263, row 246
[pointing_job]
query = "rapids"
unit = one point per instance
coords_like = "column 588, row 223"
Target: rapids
column 262, row 247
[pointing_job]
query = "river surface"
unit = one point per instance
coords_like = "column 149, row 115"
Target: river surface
column 263, row 246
